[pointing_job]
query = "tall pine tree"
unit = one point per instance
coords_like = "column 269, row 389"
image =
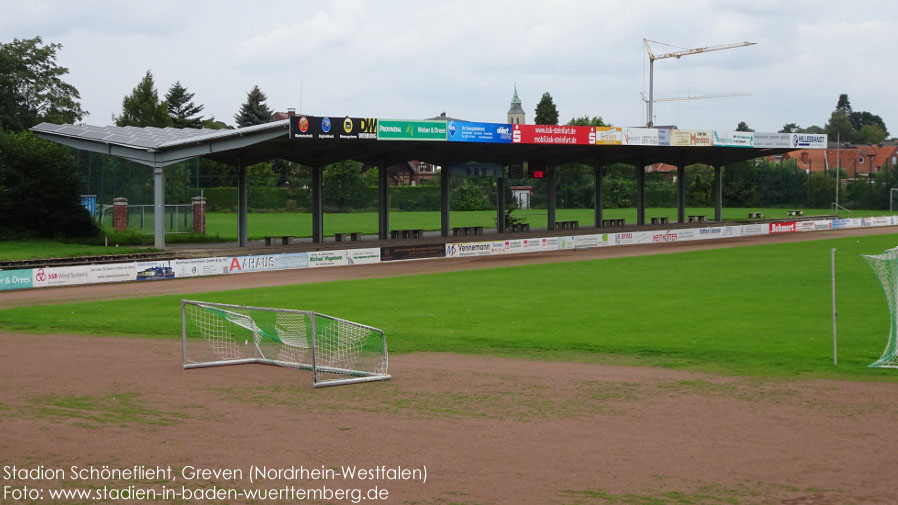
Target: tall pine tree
column 181, row 109
column 546, row 112
column 254, row 111
column 142, row 107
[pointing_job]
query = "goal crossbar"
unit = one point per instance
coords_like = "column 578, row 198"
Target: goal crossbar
column 337, row 351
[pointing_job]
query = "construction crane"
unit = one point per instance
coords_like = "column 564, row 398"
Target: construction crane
column 677, row 54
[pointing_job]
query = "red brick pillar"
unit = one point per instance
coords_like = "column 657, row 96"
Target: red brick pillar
column 199, row 214
column 120, row 214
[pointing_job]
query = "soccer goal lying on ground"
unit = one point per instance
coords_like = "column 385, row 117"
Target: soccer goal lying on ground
column 335, row 350
column 886, row 267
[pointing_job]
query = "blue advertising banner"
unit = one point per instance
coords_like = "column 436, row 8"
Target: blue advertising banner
column 15, row 279
column 463, row 131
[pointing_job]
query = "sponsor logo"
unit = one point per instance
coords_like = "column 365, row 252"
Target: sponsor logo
column 805, row 140
column 709, row 231
column 326, row 124
column 303, row 124
column 452, row 128
column 782, row 227
column 347, row 125
column 451, row 250
column 40, row 275
column 516, row 135
column 664, row 237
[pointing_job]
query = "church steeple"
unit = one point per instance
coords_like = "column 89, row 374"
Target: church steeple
column 516, row 112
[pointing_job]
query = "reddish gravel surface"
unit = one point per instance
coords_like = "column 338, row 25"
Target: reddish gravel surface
column 487, row 430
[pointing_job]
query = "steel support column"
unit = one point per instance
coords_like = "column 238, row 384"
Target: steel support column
column 718, row 194
column 550, row 197
column 444, row 200
column 681, row 193
column 159, row 207
column 600, row 193
column 640, row 193
column 500, row 203
column 317, row 206
column 242, row 206
column 383, row 202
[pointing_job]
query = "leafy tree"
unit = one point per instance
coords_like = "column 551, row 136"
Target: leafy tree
column 790, row 128
column 214, row 124
column 585, row 120
column 39, row 190
column 864, row 118
column 254, row 111
column 839, row 126
column 546, row 112
column 812, row 129
column 142, row 107
column 870, row 134
column 181, row 109
column 31, row 86
column 743, row 127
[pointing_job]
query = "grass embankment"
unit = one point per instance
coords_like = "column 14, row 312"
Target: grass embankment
column 750, row 310
column 299, row 224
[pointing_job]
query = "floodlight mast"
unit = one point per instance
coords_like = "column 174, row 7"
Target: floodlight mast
column 677, row 54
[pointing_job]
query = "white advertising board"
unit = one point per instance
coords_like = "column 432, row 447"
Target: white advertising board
column 199, row 267
column 808, row 140
column 363, row 256
column 764, row 139
column 464, row 249
column 328, row 258
column 266, row 262
column 645, row 137
column 734, row 139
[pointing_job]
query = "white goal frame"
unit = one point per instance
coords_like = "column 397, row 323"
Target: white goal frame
column 337, row 351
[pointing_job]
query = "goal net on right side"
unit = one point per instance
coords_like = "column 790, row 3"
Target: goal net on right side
column 885, row 266
column 335, row 350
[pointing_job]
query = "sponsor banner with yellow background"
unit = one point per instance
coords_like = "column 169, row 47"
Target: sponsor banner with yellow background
column 693, row 138
column 609, row 136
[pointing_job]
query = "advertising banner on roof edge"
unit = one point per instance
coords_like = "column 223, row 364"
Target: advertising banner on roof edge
column 734, row 139
column 399, row 129
column 808, row 140
column 773, row 139
column 701, row 138
column 464, row 131
column 609, row 135
column 553, row 134
column 646, row 137
column 327, row 128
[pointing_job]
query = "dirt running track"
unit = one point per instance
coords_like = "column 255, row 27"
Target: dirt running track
column 487, row 430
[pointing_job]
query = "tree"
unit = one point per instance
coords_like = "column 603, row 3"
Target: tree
column 870, row 134
column 790, row 128
column 743, row 127
column 181, row 109
column 254, row 111
column 839, row 126
column 864, row 118
column 585, row 120
column 546, row 112
column 142, row 107
column 31, row 86
column 40, row 190
column 843, row 105
column 344, row 187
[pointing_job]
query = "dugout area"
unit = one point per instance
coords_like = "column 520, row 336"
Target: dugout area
column 158, row 148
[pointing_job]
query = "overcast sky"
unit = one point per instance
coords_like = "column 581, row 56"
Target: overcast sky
column 416, row 59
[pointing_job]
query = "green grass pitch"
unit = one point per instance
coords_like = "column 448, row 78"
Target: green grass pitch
column 761, row 310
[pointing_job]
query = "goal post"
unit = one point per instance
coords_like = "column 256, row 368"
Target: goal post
column 335, row 350
column 885, row 266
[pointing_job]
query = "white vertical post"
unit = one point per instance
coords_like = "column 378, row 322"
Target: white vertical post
column 832, row 256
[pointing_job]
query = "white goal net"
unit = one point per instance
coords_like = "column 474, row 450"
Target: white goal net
column 885, row 266
column 335, row 350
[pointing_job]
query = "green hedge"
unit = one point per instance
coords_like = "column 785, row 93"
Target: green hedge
column 225, row 199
